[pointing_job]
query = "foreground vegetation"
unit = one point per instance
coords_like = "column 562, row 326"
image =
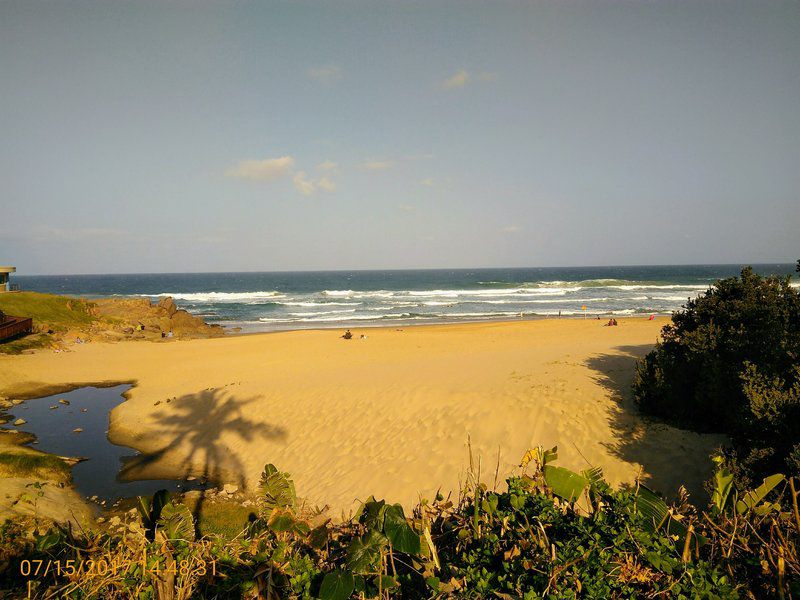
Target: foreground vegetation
column 551, row 533
column 730, row 363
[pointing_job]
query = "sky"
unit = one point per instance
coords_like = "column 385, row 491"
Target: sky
column 268, row 136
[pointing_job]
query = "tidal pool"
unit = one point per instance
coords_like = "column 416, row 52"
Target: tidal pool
column 88, row 409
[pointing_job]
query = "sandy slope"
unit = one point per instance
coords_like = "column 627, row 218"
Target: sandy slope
column 388, row 415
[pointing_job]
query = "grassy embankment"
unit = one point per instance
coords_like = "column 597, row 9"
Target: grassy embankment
column 49, row 312
column 18, row 460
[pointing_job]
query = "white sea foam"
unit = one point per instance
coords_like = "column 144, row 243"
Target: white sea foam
column 212, row 297
column 310, row 304
column 323, row 312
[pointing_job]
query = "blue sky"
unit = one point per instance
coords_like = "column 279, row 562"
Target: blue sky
column 210, row 136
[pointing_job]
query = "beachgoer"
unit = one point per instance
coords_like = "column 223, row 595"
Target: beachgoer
column 347, row 335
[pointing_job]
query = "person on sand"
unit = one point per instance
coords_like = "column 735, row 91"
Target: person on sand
column 614, row 322
column 347, row 335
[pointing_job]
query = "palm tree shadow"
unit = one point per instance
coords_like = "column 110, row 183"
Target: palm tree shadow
column 200, row 428
column 671, row 457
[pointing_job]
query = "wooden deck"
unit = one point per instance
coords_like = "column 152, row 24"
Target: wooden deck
column 14, row 326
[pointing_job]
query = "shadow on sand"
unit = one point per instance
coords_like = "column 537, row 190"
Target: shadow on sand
column 671, row 457
column 196, row 424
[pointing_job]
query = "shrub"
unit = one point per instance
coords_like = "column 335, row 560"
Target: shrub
column 552, row 533
column 728, row 363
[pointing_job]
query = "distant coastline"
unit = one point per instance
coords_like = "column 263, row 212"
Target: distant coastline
column 279, row 301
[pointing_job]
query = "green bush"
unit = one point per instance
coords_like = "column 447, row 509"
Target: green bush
column 552, row 533
column 728, row 363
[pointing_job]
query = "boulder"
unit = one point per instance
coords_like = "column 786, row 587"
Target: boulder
column 230, row 489
column 168, row 304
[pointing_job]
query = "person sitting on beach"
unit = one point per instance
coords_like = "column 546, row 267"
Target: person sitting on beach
column 610, row 323
column 614, row 322
column 347, row 335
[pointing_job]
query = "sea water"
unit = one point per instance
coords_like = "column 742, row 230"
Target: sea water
column 297, row 300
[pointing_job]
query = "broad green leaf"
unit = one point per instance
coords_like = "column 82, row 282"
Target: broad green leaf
column 318, row 537
column 364, row 553
column 657, row 517
column 565, row 484
column 433, row 583
column 176, row 522
column 723, row 485
column 752, row 498
column 277, row 489
column 399, row 532
column 337, row 585
column 281, row 520
column 386, row 582
column 654, row 510
column 489, row 503
column 372, row 513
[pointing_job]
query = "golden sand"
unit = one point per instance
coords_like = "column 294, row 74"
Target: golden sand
column 388, row 415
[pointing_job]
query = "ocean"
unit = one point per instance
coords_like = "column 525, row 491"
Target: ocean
column 303, row 300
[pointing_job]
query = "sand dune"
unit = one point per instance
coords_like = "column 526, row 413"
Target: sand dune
column 389, row 415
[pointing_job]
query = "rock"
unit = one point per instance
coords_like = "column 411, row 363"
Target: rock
column 247, row 503
column 19, row 422
column 6, row 404
column 64, row 402
column 192, row 494
column 3, row 421
column 17, row 401
column 101, row 520
column 77, row 430
column 115, row 521
column 84, row 410
column 191, row 478
column 168, row 304
column 230, row 489
column 54, row 407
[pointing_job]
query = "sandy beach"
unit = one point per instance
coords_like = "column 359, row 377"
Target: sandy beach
column 388, row 415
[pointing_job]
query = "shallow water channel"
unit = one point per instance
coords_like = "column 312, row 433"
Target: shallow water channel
column 88, row 409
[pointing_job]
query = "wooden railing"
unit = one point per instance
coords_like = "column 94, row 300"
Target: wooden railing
column 14, row 326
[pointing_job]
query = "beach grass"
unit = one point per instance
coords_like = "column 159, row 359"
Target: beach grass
column 34, row 465
column 47, row 310
column 225, row 518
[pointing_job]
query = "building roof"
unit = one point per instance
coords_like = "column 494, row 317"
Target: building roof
column 8, row 269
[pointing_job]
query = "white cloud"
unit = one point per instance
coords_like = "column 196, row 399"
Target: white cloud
column 463, row 78
column 377, row 165
column 325, row 73
column 271, row 169
column 307, row 186
column 303, row 185
column 268, row 169
column 326, row 184
column 459, row 80
column 511, row 229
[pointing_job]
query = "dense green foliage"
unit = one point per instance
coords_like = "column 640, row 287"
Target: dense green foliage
column 730, row 363
column 552, row 533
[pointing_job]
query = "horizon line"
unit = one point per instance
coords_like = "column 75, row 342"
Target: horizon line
column 790, row 263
